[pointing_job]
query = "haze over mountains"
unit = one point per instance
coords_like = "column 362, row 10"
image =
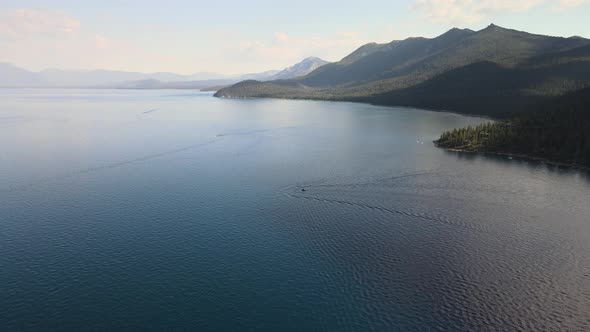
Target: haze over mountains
column 300, row 69
column 494, row 71
column 13, row 76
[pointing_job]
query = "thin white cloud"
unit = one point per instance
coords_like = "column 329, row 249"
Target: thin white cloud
column 25, row 23
column 568, row 4
column 470, row 11
column 64, row 43
column 281, row 37
column 283, row 48
column 102, row 42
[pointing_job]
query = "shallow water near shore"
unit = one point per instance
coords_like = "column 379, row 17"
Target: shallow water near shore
column 172, row 210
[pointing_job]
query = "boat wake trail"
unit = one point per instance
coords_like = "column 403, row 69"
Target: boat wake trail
column 219, row 137
column 251, row 132
column 325, row 182
column 373, row 182
column 109, row 166
column 414, row 215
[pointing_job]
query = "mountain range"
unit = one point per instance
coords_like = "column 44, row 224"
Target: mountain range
column 12, row 76
column 494, row 71
column 300, row 69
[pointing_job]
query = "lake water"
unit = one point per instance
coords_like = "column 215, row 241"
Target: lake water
column 174, row 210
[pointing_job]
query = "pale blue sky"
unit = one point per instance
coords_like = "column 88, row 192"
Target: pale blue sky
column 247, row 36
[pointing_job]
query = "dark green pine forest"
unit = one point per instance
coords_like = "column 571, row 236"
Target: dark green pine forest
column 536, row 86
column 559, row 131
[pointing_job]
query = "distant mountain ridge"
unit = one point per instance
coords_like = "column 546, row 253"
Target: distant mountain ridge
column 263, row 76
column 300, row 69
column 12, row 76
column 491, row 71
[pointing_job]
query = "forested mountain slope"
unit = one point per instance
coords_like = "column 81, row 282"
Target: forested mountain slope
column 557, row 130
column 494, row 71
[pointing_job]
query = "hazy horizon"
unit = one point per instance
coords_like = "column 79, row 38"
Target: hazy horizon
column 184, row 165
column 187, row 37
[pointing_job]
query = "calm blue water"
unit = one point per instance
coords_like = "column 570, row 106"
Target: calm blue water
column 171, row 210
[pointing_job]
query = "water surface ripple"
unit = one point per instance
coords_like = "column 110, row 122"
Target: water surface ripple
column 153, row 210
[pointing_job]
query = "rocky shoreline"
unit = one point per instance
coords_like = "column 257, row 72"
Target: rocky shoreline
column 511, row 155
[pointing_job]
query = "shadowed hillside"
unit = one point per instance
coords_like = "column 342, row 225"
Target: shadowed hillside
column 557, row 130
column 493, row 72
